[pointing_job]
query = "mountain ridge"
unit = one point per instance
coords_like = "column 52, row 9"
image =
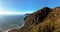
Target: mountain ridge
column 43, row 20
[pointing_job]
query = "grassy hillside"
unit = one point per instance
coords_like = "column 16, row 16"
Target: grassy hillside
column 50, row 24
column 43, row 20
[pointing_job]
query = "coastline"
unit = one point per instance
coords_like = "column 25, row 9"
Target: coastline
column 15, row 28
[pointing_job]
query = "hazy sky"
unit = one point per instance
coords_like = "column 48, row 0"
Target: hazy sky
column 25, row 6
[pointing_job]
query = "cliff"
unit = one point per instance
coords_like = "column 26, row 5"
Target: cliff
column 43, row 20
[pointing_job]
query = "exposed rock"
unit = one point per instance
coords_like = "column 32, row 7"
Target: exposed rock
column 37, row 17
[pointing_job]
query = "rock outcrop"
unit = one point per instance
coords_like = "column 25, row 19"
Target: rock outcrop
column 43, row 20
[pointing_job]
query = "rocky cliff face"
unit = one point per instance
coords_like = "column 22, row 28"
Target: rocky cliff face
column 43, row 20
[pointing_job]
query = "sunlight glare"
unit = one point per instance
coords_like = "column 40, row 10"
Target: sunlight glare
column 8, row 12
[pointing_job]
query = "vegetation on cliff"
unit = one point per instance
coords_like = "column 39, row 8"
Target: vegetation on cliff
column 43, row 20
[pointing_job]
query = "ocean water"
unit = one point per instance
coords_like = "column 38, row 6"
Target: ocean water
column 11, row 21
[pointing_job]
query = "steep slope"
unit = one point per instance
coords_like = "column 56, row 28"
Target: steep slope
column 44, row 20
column 50, row 24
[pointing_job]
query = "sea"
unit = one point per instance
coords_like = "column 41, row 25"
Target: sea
column 11, row 21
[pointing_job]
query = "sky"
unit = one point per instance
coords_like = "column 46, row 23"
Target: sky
column 25, row 6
